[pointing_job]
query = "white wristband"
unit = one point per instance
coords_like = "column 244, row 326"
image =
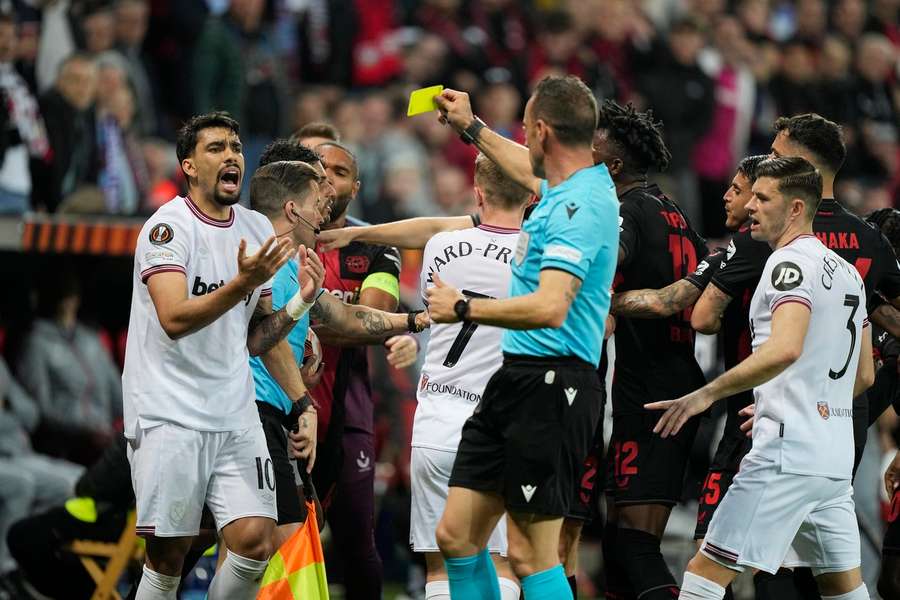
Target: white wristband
column 296, row 307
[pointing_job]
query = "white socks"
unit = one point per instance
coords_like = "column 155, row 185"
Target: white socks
column 437, row 590
column 700, row 588
column 440, row 590
column 860, row 593
column 156, row 586
column 509, row 589
column 237, row 579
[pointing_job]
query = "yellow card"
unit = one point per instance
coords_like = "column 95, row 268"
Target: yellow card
column 422, row 101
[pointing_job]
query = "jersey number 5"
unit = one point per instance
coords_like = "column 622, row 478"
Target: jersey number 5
column 465, row 334
column 852, row 301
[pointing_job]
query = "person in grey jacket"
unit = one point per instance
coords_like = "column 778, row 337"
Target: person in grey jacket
column 28, row 481
column 71, row 376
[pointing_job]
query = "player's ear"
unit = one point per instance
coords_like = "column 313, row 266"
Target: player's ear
column 356, row 185
column 187, row 165
column 479, row 197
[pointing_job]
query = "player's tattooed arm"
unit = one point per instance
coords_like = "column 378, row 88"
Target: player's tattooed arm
column 888, row 318
column 655, row 304
column 350, row 325
column 408, row 233
column 267, row 328
column 707, row 314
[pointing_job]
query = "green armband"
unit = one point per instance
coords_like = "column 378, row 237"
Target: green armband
column 383, row 281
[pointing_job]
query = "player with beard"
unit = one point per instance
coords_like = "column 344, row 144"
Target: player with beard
column 367, row 275
column 680, row 296
column 820, row 142
column 194, row 435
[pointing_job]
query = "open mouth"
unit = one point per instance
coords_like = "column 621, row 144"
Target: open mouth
column 754, row 224
column 230, row 178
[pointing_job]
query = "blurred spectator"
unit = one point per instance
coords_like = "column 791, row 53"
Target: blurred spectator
column 715, row 155
column 835, row 62
column 559, row 48
column 681, row 95
column 23, row 137
column 123, row 174
column 161, row 167
column 236, row 68
column 811, row 20
column 29, row 482
column 849, row 18
column 69, row 118
column 98, row 27
column 876, row 61
column 56, row 44
column 132, row 18
column 68, row 371
column 500, row 106
column 754, row 16
column 885, row 19
column 796, row 88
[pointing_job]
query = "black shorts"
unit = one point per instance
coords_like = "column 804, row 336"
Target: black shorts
column 891, row 546
column 589, row 483
column 528, row 437
column 644, row 468
column 290, row 507
column 714, row 487
column 731, row 450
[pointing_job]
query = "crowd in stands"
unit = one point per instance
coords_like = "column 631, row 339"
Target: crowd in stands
column 93, row 92
column 94, row 89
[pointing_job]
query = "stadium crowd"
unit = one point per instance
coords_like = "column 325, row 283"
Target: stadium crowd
column 95, row 92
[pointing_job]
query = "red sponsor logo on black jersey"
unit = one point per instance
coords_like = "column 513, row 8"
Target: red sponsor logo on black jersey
column 357, row 264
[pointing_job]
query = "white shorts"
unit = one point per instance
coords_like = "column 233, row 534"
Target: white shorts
column 175, row 471
column 769, row 518
column 429, row 474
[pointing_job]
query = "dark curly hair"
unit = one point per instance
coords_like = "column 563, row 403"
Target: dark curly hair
column 822, row 137
column 284, row 149
column 888, row 221
column 636, row 135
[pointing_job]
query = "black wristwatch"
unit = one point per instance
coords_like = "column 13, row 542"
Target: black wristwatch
column 297, row 408
column 462, row 309
column 411, row 325
column 470, row 134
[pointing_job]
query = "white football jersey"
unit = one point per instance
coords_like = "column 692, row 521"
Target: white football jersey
column 461, row 357
column 200, row 381
column 804, row 415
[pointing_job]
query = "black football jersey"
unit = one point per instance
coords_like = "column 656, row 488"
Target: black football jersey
column 654, row 357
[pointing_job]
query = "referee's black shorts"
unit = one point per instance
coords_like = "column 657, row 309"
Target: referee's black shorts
column 531, row 432
column 290, row 507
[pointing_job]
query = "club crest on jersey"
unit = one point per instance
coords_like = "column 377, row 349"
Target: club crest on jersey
column 824, row 412
column 424, row 385
column 161, row 234
column 786, row 276
column 357, row 264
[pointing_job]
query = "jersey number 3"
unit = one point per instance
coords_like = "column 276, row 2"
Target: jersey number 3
column 851, row 301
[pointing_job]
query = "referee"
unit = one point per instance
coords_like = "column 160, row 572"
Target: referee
column 522, row 449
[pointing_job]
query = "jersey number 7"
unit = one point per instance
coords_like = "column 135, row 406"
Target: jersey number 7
column 465, row 334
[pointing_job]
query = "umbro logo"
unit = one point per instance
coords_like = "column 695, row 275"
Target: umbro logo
column 572, row 209
column 570, row 395
column 528, row 491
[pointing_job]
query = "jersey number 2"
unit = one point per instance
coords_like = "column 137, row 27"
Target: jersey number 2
column 465, row 334
column 852, row 301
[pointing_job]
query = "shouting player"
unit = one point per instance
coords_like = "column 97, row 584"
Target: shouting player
column 792, row 495
column 522, row 450
column 194, row 435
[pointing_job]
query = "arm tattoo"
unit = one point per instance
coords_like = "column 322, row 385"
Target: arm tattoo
column 573, row 290
column 322, row 313
column 373, row 322
column 268, row 331
column 662, row 303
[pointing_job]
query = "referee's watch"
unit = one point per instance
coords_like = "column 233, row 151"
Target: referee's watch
column 470, row 134
column 462, row 309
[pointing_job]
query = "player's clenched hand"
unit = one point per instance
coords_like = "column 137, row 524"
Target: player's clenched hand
column 402, row 351
column 748, row 411
column 312, row 378
column 303, row 441
column 332, row 239
column 311, row 274
column 455, row 109
column 261, row 266
column 441, row 300
column 892, row 476
column 679, row 411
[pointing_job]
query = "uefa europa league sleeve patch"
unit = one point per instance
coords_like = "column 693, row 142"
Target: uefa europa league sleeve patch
column 161, row 234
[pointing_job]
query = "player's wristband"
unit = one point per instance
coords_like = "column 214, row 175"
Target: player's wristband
column 411, row 325
column 297, row 408
column 296, row 307
column 470, row 134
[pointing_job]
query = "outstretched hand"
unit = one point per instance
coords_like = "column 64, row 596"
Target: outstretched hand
column 679, row 411
column 311, row 273
column 260, row 267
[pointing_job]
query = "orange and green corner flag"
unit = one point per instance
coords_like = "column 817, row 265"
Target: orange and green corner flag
column 297, row 571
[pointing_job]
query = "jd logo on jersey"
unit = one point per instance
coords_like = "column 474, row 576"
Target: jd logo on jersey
column 786, row 276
